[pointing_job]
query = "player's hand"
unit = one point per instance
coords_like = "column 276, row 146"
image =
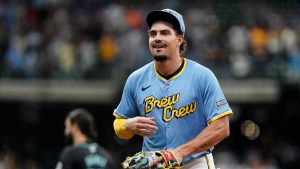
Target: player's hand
column 173, row 155
column 156, row 161
column 143, row 126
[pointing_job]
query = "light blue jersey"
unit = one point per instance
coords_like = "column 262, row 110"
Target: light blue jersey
column 182, row 106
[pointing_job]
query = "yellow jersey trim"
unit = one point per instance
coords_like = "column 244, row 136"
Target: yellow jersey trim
column 117, row 116
column 178, row 74
column 227, row 113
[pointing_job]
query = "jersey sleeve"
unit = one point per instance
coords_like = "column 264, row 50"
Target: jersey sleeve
column 127, row 107
column 214, row 102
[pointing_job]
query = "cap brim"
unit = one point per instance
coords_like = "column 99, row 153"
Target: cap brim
column 154, row 16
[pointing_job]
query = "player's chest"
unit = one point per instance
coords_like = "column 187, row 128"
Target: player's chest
column 161, row 94
column 168, row 100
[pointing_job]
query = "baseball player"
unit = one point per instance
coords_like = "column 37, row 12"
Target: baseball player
column 85, row 152
column 173, row 102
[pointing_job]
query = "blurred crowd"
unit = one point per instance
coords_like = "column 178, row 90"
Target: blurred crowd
column 92, row 39
column 42, row 39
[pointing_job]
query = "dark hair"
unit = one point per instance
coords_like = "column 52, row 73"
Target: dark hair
column 183, row 46
column 85, row 122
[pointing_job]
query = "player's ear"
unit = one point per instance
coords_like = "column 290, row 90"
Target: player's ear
column 180, row 40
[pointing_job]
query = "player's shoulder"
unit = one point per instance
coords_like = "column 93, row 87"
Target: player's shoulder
column 67, row 151
column 75, row 148
column 141, row 72
column 198, row 68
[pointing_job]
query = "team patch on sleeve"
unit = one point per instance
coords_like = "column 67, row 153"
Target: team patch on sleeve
column 221, row 103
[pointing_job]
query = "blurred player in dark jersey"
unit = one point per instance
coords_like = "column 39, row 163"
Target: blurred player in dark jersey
column 85, row 152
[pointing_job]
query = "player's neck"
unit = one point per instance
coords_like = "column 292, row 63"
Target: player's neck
column 79, row 138
column 168, row 66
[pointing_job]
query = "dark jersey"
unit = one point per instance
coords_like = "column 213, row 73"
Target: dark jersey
column 85, row 156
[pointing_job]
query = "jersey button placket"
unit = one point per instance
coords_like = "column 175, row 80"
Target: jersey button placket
column 167, row 125
column 167, row 86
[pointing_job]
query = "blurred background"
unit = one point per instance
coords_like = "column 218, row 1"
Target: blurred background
column 59, row 55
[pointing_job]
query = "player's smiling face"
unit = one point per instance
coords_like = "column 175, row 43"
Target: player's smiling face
column 163, row 40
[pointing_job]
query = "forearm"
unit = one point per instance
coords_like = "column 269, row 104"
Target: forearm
column 126, row 128
column 120, row 130
column 209, row 137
